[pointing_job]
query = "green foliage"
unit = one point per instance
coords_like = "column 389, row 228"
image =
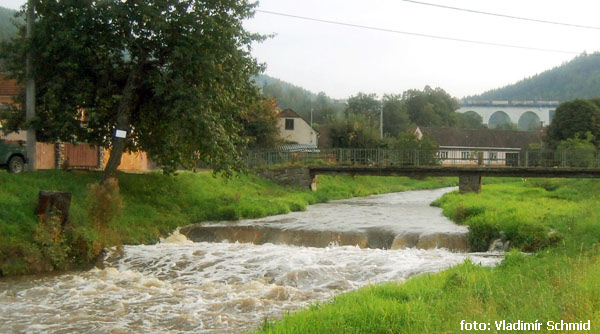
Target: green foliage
column 430, row 107
column 395, row 115
column 367, row 106
column 51, row 238
column 580, row 152
column 578, row 78
column 175, row 75
column 353, row 131
column 140, row 208
column 574, row 118
column 469, row 120
column 260, row 124
column 505, row 126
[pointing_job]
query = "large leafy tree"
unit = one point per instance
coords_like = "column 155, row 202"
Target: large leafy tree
column 572, row 119
column 366, row 105
column 260, row 124
column 175, row 75
column 395, row 117
column 430, row 107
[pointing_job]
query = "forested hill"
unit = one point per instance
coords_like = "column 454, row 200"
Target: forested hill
column 7, row 27
column 298, row 98
column 579, row 78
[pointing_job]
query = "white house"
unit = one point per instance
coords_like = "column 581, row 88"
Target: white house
column 294, row 129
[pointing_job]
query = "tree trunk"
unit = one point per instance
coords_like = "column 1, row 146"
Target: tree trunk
column 118, row 143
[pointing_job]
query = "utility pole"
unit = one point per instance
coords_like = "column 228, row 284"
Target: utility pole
column 311, row 111
column 381, row 119
column 30, row 91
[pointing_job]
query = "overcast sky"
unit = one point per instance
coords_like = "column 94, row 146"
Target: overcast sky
column 342, row 60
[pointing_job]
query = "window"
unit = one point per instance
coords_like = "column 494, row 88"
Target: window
column 493, row 155
column 465, row 155
column 443, row 154
column 289, row 124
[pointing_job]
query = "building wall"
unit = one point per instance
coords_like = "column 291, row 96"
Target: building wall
column 45, row 156
column 136, row 161
column 302, row 133
column 455, row 157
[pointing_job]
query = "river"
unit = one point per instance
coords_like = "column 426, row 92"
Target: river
column 226, row 287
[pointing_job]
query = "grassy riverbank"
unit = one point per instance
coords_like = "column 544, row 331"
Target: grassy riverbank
column 558, row 220
column 150, row 206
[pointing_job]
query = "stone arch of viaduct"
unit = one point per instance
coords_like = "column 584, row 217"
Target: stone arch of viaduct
column 520, row 115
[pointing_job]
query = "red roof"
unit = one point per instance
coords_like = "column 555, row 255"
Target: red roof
column 8, row 87
column 289, row 113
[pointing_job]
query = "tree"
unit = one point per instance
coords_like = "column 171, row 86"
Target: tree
column 469, row 120
column 260, row 124
column 353, row 132
column 366, row 105
column 580, row 150
column 173, row 75
column 395, row 117
column 574, row 118
column 430, row 107
column 506, row 126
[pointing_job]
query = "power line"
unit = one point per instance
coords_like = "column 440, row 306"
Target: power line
column 415, row 34
column 572, row 25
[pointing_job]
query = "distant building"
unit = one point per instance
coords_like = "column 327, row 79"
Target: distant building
column 294, row 129
column 479, row 146
column 58, row 155
column 9, row 89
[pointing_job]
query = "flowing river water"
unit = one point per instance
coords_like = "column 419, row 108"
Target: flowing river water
column 228, row 286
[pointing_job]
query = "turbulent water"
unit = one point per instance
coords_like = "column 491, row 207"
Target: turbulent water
column 183, row 286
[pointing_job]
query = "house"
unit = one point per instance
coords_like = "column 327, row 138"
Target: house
column 479, row 146
column 9, row 89
column 59, row 155
column 294, row 129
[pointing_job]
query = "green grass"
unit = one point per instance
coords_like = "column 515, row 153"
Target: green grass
column 153, row 206
column 558, row 220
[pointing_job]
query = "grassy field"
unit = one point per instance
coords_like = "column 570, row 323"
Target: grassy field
column 149, row 206
column 558, row 221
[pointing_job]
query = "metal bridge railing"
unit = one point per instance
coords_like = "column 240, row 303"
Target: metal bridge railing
column 465, row 158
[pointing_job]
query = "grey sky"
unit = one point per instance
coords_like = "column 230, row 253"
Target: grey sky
column 343, row 61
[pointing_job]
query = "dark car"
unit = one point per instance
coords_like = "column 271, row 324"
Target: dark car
column 12, row 157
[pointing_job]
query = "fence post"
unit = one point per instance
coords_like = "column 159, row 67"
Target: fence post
column 526, row 158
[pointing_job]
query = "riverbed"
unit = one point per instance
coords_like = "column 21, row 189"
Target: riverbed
column 180, row 286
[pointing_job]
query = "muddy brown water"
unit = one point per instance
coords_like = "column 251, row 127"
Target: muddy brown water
column 180, row 286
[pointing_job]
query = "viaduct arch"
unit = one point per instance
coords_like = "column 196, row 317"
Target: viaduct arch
column 524, row 116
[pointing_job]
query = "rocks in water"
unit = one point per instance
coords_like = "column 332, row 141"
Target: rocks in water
column 499, row 245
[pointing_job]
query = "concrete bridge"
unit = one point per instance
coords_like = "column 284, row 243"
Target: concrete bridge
column 526, row 114
column 303, row 168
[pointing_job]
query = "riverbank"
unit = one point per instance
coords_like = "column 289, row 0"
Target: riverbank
column 149, row 207
column 557, row 220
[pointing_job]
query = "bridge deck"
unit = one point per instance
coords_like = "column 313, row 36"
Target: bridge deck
column 458, row 171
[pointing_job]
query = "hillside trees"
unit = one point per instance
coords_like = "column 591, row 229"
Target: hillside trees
column 578, row 78
column 174, row 75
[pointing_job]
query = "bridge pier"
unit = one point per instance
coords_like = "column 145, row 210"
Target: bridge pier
column 469, row 183
column 300, row 177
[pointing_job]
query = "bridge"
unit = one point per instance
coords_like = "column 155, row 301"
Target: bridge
column 526, row 114
column 302, row 168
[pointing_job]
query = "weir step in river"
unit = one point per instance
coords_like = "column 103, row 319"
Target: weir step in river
column 392, row 221
column 259, row 235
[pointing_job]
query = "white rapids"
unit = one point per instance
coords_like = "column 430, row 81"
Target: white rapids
column 179, row 286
